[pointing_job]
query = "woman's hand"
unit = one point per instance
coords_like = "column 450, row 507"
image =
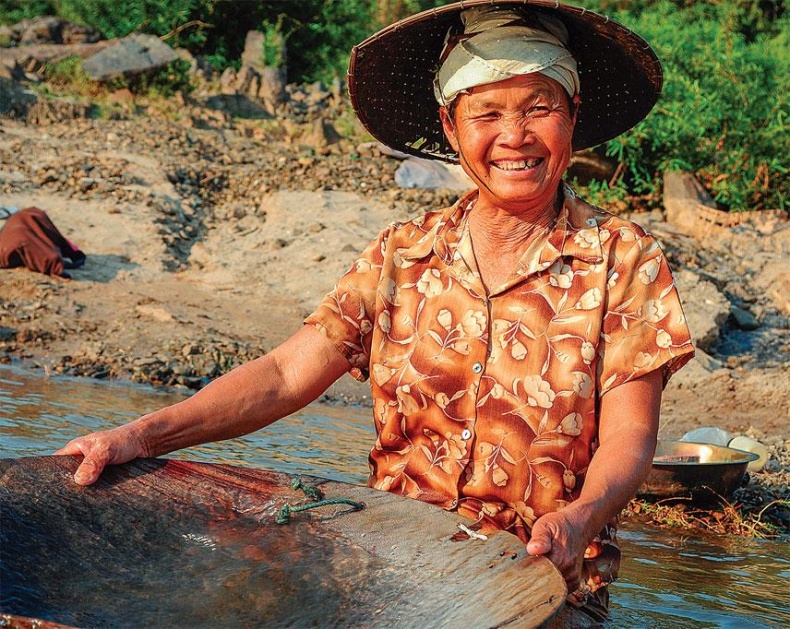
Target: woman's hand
column 563, row 542
column 100, row 449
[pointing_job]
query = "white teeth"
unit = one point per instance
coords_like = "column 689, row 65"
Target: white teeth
column 521, row 165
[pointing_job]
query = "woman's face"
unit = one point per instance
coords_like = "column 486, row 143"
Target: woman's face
column 514, row 139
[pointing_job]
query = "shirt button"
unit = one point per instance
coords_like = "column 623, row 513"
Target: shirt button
column 466, row 434
column 477, row 368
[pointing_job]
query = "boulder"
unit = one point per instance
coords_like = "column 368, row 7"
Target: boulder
column 683, row 196
column 256, row 81
column 705, row 307
column 131, row 56
column 252, row 57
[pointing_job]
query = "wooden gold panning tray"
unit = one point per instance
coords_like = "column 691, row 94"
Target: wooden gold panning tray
column 169, row 543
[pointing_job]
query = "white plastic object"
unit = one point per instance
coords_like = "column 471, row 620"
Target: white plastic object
column 708, row 434
column 750, row 445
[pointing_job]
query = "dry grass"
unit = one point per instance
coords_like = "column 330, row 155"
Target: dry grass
column 726, row 518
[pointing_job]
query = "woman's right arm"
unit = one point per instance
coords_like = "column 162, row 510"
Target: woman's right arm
column 247, row 398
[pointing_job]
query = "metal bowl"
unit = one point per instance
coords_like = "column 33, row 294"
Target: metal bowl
column 700, row 471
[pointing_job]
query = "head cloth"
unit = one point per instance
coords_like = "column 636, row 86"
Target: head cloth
column 498, row 44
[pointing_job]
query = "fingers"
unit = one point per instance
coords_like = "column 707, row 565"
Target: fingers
column 90, row 469
column 72, row 447
column 540, row 542
column 97, row 452
column 550, row 539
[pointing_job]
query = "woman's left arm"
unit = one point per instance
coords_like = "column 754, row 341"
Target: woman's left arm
column 628, row 430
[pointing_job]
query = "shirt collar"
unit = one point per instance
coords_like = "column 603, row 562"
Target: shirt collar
column 577, row 234
column 443, row 238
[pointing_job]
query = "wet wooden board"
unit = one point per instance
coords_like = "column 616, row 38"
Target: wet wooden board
column 176, row 543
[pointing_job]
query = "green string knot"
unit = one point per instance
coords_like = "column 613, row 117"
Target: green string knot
column 311, row 492
column 283, row 516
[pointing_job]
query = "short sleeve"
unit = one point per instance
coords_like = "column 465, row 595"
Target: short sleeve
column 346, row 315
column 644, row 327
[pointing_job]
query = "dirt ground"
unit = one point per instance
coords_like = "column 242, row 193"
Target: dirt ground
column 207, row 247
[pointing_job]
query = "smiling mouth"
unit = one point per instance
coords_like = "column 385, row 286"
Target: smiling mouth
column 517, row 164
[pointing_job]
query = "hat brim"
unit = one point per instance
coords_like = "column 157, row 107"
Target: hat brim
column 390, row 77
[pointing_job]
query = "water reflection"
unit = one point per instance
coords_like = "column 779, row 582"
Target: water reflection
column 667, row 580
column 38, row 415
column 672, row 581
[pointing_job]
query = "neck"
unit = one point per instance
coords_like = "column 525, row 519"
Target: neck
column 500, row 237
column 508, row 228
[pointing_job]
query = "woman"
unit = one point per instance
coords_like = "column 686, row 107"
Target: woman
column 518, row 342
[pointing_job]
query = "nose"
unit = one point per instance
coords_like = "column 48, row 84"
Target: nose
column 515, row 130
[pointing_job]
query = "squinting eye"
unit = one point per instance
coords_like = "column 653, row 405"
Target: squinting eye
column 484, row 119
column 538, row 111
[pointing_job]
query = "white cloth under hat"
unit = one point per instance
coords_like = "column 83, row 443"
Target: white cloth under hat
column 499, row 46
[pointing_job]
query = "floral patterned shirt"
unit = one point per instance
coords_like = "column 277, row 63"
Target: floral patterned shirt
column 486, row 402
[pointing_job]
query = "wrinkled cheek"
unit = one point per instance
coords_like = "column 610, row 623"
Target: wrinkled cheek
column 561, row 139
column 563, row 158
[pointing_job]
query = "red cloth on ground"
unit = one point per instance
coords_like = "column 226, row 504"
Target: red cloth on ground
column 30, row 239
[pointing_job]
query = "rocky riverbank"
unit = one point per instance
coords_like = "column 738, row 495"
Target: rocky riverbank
column 210, row 235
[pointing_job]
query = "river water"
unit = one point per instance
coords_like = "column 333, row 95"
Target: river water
column 668, row 579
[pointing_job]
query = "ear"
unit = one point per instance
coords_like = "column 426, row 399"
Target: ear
column 448, row 126
column 576, row 102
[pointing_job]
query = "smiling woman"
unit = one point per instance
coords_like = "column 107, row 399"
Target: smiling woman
column 517, row 342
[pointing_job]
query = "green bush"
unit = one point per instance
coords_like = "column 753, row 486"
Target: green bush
column 723, row 114
column 13, row 11
column 118, row 19
column 68, row 75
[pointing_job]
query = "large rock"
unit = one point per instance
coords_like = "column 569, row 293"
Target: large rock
column 683, row 197
column 48, row 30
column 131, row 56
column 255, row 79
column 252, row 57
column 705, row 307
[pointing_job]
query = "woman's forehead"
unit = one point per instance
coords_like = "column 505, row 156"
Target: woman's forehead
column 522, row 87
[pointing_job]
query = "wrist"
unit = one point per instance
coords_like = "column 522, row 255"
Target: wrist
column 138, row 437
column 587, row 517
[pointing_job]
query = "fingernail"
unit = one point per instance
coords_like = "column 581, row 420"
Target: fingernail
column 81, row 477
